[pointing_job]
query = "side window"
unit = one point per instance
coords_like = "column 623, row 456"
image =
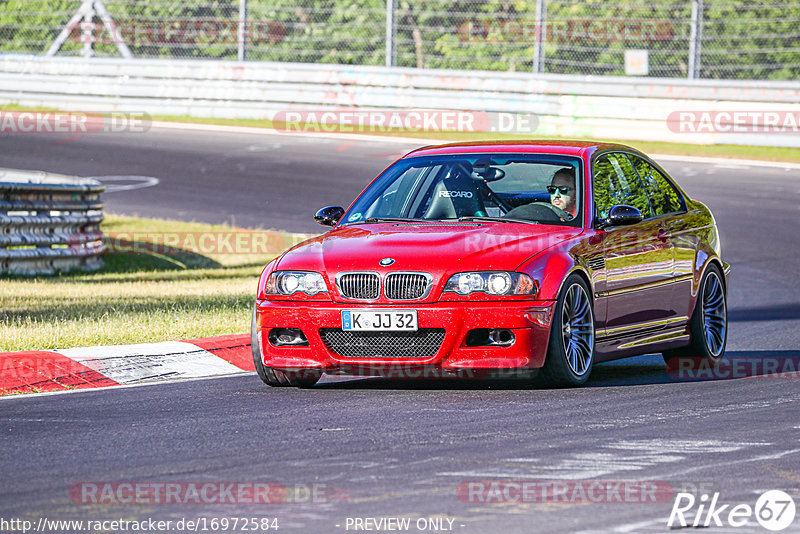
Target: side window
column 615, row 182
column 663, row 196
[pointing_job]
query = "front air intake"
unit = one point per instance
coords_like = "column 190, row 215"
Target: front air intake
column 424, row 343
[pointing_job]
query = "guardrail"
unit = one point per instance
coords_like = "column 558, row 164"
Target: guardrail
column 49, row 223
column 565, row 106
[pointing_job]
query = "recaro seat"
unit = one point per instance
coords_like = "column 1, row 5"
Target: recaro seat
column 456, row 196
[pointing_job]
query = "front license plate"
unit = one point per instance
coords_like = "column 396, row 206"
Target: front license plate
column 371, row 320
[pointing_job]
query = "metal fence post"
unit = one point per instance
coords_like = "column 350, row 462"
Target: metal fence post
column 539, row 36
column 111, row 28
column 391, row 34
column 242, row 54
column 88, row 45
column 695, row 39
column 87, row 12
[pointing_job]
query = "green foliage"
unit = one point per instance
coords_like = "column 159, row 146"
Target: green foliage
column 30, row 26
column 615, row 182
column 324, row 31
column 752, row 41
column 741, row 39
column 663, row 197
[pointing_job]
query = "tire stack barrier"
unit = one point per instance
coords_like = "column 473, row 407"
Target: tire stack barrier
column 49, row 223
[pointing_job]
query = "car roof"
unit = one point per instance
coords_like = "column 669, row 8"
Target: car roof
column 541, row 146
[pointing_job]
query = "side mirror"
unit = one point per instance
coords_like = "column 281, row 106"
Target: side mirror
column 621, row 215
column 329, row 216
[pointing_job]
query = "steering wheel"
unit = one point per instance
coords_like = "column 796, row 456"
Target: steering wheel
column 542, row 211
column 558, row 211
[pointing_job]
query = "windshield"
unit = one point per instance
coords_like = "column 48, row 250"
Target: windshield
column 533, row 188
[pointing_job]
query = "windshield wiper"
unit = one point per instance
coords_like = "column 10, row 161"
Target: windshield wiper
column 388, row 219
column 498, row 219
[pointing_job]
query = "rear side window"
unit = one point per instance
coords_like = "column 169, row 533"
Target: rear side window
column 616, row 182
column 663, row 196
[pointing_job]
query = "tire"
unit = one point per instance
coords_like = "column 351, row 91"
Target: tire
column 277, row 377
column 708, row 327
column 571, row 348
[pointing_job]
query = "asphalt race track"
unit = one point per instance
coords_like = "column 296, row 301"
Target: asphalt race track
column 258, row 181
column 380, row 448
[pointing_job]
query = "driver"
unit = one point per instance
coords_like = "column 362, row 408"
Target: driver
column 562, row 190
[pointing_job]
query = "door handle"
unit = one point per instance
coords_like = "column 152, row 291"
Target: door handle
column 663, row 235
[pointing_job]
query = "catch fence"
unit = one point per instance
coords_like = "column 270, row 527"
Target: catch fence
column 695, row 39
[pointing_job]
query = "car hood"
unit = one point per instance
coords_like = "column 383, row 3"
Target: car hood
column 439, row 249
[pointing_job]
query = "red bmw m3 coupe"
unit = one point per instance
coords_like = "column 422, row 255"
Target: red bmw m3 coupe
column 531, row 256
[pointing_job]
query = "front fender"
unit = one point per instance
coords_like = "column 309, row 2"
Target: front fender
column 550, row 270
column 262, row 280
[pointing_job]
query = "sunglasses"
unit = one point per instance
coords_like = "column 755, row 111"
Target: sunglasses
column 563, row 189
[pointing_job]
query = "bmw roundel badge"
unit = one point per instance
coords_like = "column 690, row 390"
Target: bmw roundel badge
column 385, row 262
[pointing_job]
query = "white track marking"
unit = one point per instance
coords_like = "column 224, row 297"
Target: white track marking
column 728, row 463
column 660, row 526
column 7, row 398
column 681, row 446
column 140, row 182
column 627, row 456
column 730, row 166
column 423, row 141
column 635, row 527
column 725, row 161
column 307, row 135
column 578, row 466
column 169, row 360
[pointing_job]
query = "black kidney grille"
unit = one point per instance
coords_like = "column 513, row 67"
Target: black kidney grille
column 360, row 285
column 406, row 286
column 420, row 344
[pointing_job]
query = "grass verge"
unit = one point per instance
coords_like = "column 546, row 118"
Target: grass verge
column 182, row 292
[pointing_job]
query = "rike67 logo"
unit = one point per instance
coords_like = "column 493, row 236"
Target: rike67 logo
column 774, row 510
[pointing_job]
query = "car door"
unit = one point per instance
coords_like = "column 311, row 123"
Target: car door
column 638, row 258
column 670, row 207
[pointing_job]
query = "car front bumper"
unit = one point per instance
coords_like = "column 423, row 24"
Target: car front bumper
column 528, row 320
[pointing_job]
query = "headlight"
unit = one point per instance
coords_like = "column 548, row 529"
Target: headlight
column 492, row 283
column 291, row 282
